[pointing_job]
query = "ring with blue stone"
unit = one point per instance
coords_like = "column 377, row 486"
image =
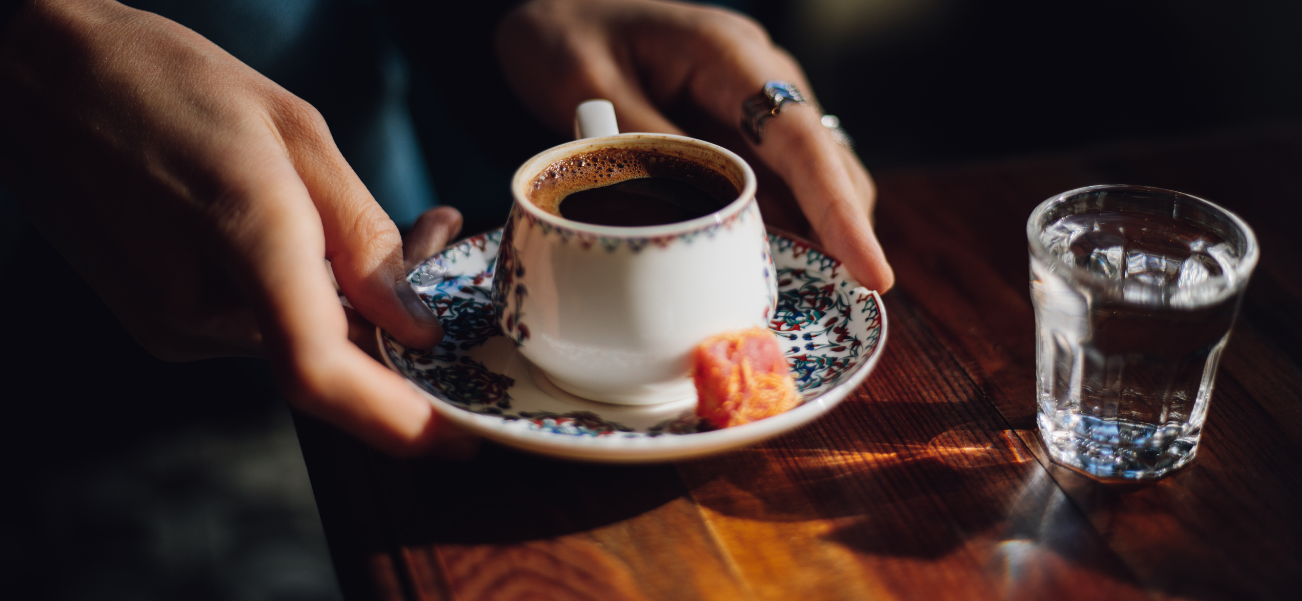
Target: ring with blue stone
column 765, row 105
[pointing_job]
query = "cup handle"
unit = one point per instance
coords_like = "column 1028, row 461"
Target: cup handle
column 594, row 119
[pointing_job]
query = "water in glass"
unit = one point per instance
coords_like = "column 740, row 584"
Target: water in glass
column 1127, row 350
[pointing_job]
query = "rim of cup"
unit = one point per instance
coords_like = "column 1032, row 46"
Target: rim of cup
column 1224, row 285
column 730, row 166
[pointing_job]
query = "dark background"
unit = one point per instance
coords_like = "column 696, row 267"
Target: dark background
column 127, row 477
column 926, row 81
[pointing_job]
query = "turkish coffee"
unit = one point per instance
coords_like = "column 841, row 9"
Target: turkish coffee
column 630, row 188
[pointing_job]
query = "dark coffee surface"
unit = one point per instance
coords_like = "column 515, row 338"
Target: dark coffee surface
column 631, row 188
column 639, row 202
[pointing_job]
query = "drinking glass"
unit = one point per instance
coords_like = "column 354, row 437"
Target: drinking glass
column 1135, row 290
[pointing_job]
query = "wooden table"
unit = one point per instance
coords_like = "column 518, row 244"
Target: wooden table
column 930, row 481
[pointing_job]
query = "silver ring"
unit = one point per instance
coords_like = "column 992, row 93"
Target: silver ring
column 839, row 135
column 765, row 105
column 768, row 102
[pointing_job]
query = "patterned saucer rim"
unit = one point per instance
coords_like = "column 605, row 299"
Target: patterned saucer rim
column 662, row 448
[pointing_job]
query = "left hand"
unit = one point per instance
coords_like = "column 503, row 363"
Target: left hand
column 648, row 56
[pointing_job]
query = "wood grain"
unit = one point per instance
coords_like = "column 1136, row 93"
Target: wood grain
column 930, row 481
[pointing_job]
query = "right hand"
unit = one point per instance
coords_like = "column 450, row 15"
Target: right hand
column 650, row 56
column 199, row 200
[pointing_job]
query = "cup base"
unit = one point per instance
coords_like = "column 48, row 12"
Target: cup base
column 642, row 395
column 1115, row 449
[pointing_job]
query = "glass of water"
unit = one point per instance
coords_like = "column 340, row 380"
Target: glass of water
column 1135, row 290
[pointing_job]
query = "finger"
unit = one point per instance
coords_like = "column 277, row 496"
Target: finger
column 732, row 59
column 362, row 333
column 833, row 190
column 433, row 230
column 361, row 242
column 278, row 244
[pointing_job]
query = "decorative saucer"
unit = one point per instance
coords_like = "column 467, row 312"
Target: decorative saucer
column 832, row 328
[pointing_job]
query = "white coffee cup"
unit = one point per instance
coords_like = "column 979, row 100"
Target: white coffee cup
column 612, row 313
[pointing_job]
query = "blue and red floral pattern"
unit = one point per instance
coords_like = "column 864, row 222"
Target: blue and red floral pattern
column 829, row 326
column 573, row 423
column 633, row 243
column 508, row 293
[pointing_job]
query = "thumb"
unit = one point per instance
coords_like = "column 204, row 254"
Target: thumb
column 361, row 242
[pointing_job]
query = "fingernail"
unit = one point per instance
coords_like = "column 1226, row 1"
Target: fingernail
column 415, row 306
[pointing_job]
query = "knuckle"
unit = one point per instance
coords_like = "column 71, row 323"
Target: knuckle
column 369, row 238
column 372, row 228
column 296, row 116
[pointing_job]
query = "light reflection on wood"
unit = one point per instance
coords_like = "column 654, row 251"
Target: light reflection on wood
column 965, row 447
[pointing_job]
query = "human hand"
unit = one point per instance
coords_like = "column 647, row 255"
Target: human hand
column 199, row 200
column 649, row 57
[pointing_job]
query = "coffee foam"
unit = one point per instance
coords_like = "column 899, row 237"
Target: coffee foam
column 612, row 165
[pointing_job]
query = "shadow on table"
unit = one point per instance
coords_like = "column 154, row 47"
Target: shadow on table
column 898, row 491
column 506, row 496
column 901, row 492
column 887, row 483
column 500, row 496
